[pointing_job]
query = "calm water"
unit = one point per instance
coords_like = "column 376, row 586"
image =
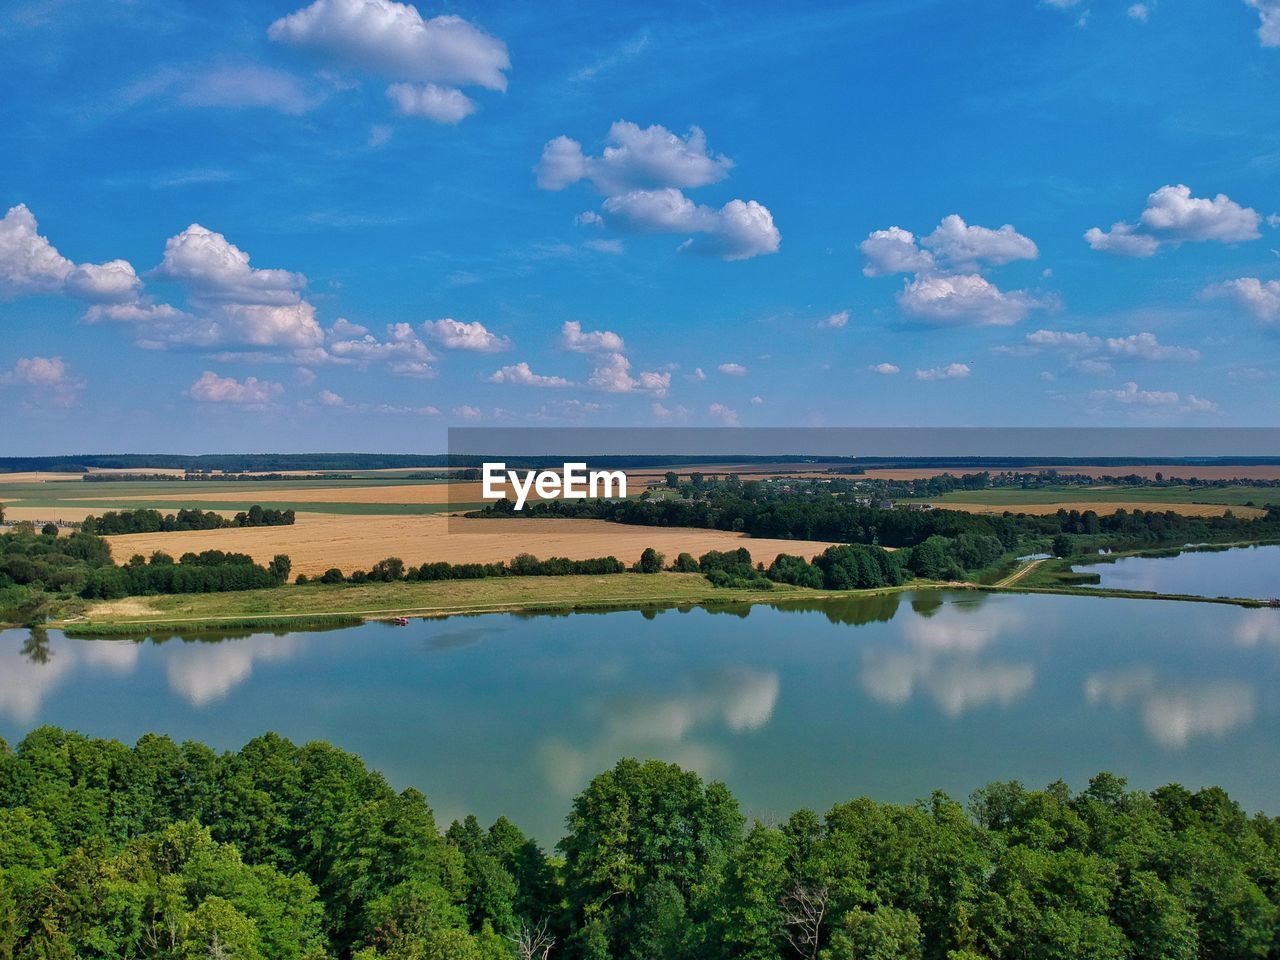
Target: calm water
column 1241, row 572
column 890, row 697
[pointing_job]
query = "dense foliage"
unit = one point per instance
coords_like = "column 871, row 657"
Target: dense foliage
column 153, row 521
column 212, row 571
column 280, row 851
column 761, row 510
column 522, row 565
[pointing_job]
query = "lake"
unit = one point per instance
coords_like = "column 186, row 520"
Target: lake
column 1240, row 572
column 802, row 705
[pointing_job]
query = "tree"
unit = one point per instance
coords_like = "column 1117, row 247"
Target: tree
column 650, row 561
column 49, row 530
column 672, row 480
column 804, row 912
column 533, row 942
column 1062, row 546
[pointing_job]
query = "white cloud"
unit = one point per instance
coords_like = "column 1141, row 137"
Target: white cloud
column 1137, row 346
column 697, row 374
column 1260, row 298
column 573, row 337
column 737, row 231
column 455, row 335
column 1145, row 346
column 242, row 86
column 1174, row 216
column 965, row 299
column 1132, row 395
column 331, row 399
column 1269, row 15
column 837, row 321
column 44, row 377
column 216, row 270
column 1139, row 12
column 400, row 346
column 726, row 415
column 520, row 374
column 894, row 251
column 613, row 375
column 643, row 173
column 884, row 369
column 732, row 369
column 429, row 100
column 757, row 401
column 386, row 37
column 211, row 388
column 467, row 412
column 966, row 248
column 953, row 243
column 634, row 158
column 952, row 371
column 30, row 264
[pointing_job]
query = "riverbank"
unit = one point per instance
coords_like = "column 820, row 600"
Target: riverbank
column 344, row 604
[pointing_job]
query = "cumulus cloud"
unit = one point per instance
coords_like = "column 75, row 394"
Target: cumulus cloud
column 455, row 335
column 836, row 321
column 429, row 100
column 952, row 371
column 732, row 369
column 643, row 173
column 894, row 251
column 726, row 415
column 965, row 299
column 331, row 399
column 1174, row 216
column 953, row 245
column 401, row 348
column 429, row 59
column 252, row 392
column 216, row 270
column 30, row 264
column 966, row 248
column 737, row 231
column 1269, row 15
column 613, row 375
column 634, row 158
column 573, row 337
column 520, row 375
column 386, row 37
column 947, row 287
column 44, row 379
column 1260, row 298
column 884, row 369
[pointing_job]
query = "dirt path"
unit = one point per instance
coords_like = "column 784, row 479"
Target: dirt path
column 1018, row 574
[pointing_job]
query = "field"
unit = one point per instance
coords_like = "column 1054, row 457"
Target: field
column 426, row 599
column 1193, row 501
column 316, row 542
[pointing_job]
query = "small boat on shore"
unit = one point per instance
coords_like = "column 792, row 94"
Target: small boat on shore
column 399, row 621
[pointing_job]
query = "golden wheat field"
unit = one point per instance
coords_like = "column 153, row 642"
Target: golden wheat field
column 281, row 492
column 320, row 541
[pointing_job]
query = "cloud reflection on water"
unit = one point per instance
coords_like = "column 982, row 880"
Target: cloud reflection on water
column 944, row 660
column 1175, row 712
column 736, row 699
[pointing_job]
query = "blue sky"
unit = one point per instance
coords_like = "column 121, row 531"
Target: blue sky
column 348, row 224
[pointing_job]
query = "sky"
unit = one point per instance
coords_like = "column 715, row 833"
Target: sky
column 350, row 224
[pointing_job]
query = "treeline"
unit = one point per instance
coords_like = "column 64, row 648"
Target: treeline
column 758, row 512
column 152, row 521
column 281, row 851
column 206, row 477
column 211, row 571
column 523, row 565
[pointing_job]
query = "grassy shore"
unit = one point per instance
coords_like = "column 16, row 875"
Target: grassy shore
column 321, row 603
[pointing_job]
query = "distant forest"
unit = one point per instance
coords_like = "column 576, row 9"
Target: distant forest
column 268, row 462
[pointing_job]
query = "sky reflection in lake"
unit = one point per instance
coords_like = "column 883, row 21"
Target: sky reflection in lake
column 795, row 705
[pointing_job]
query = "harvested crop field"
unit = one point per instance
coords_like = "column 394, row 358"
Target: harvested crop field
column 251, row 493
column 1103, row 507
column 317, row 541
